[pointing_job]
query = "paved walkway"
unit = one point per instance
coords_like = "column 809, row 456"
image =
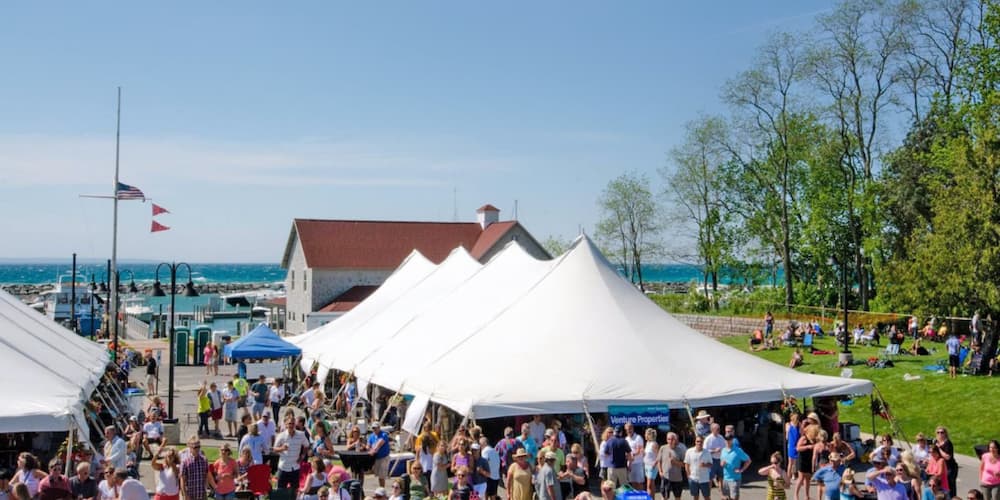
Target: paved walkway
column 188, row 379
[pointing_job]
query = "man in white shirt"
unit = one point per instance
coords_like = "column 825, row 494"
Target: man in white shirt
column 128, row 488
column 492, row 457
column 289, row 445
column 309, row 395
column 636, row 474
column 115, row 449
column 267, row 430
column 698, row 464
column 537, row 429
column 714, row 443
column 152, row 432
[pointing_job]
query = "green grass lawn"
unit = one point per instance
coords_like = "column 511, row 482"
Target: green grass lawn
column 964, row 405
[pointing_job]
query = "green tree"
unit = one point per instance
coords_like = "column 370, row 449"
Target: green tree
column 695, row 187
column 765, row 174
column 630, row 223
column 954, row 261
column 556, row 245
column 857, row 63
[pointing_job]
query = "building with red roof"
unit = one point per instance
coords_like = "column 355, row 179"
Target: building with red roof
column 335, row 264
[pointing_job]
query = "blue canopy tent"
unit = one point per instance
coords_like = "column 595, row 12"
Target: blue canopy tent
column 261, row 343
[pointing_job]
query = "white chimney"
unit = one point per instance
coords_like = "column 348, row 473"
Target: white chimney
column 487, row 214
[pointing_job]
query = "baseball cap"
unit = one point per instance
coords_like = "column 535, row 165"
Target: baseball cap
column 379, row 492
column 475, row 446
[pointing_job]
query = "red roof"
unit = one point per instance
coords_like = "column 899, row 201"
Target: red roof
column 490, row 236
column 487, row 208
column 331, row 244
column 349, row 299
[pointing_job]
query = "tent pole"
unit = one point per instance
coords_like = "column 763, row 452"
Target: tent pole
column 593, row 433
column 871, row 407
column 69, row 450
column 687, row 406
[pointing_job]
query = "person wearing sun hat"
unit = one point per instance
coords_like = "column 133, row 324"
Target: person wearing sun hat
column 702, row 424
column 828, row 476
column 518, row 483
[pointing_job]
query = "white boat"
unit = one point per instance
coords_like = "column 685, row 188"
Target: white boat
column 136, row 307
column 252, row 298
column 58, row 301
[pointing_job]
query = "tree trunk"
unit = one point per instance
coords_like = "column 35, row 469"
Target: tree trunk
column 715, row 290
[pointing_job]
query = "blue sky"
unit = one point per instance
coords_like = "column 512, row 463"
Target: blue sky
column 240, row 116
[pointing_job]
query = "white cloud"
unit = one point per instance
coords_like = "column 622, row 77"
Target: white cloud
column 27, row 160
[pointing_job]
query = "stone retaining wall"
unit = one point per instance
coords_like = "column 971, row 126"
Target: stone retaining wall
column 726, row 326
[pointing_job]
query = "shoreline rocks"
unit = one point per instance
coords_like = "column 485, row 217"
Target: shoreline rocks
column 31, row 292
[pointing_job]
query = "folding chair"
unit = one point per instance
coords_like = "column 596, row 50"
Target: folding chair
column 807, row 342
column 890, row 351
column 259, row 479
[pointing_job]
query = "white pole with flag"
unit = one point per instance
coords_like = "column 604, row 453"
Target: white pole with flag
column 113, row 317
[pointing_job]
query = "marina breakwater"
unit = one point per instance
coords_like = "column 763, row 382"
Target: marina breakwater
column 31, row 292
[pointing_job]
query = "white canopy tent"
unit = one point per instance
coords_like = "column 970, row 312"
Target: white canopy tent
column 415, row 267
column 354, row 343
column 466, row 308
column 563, row 336
column 49, row 371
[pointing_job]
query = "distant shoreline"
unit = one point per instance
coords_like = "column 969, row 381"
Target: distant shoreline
column 29, row 291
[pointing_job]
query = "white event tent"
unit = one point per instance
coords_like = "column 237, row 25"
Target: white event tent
column 414, row 268
column 519, row 336
column 48, row 371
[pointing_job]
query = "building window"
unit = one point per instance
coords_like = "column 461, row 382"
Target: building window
column 305, row 280
column 292, row 284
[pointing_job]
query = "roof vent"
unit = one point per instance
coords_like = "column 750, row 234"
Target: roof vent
column 487, row 214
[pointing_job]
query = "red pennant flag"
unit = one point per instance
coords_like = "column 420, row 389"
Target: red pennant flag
column 158, row 227
column 157, row 210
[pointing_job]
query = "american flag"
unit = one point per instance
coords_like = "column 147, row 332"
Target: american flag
column 126, row 192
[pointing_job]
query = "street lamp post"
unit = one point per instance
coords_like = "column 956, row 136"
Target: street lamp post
column 846, row 357
column 158, row 292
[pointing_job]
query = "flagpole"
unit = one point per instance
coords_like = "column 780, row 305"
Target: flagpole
column 113, row 317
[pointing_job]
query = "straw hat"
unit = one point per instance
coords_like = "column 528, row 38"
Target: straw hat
column 551, row 455
column 520, row 453
column 813, row 416
column 702, row 414
column 834, row 456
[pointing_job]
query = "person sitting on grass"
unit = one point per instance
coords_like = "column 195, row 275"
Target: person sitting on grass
column 797, row 359
column 916, row 349
column 757, row 339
